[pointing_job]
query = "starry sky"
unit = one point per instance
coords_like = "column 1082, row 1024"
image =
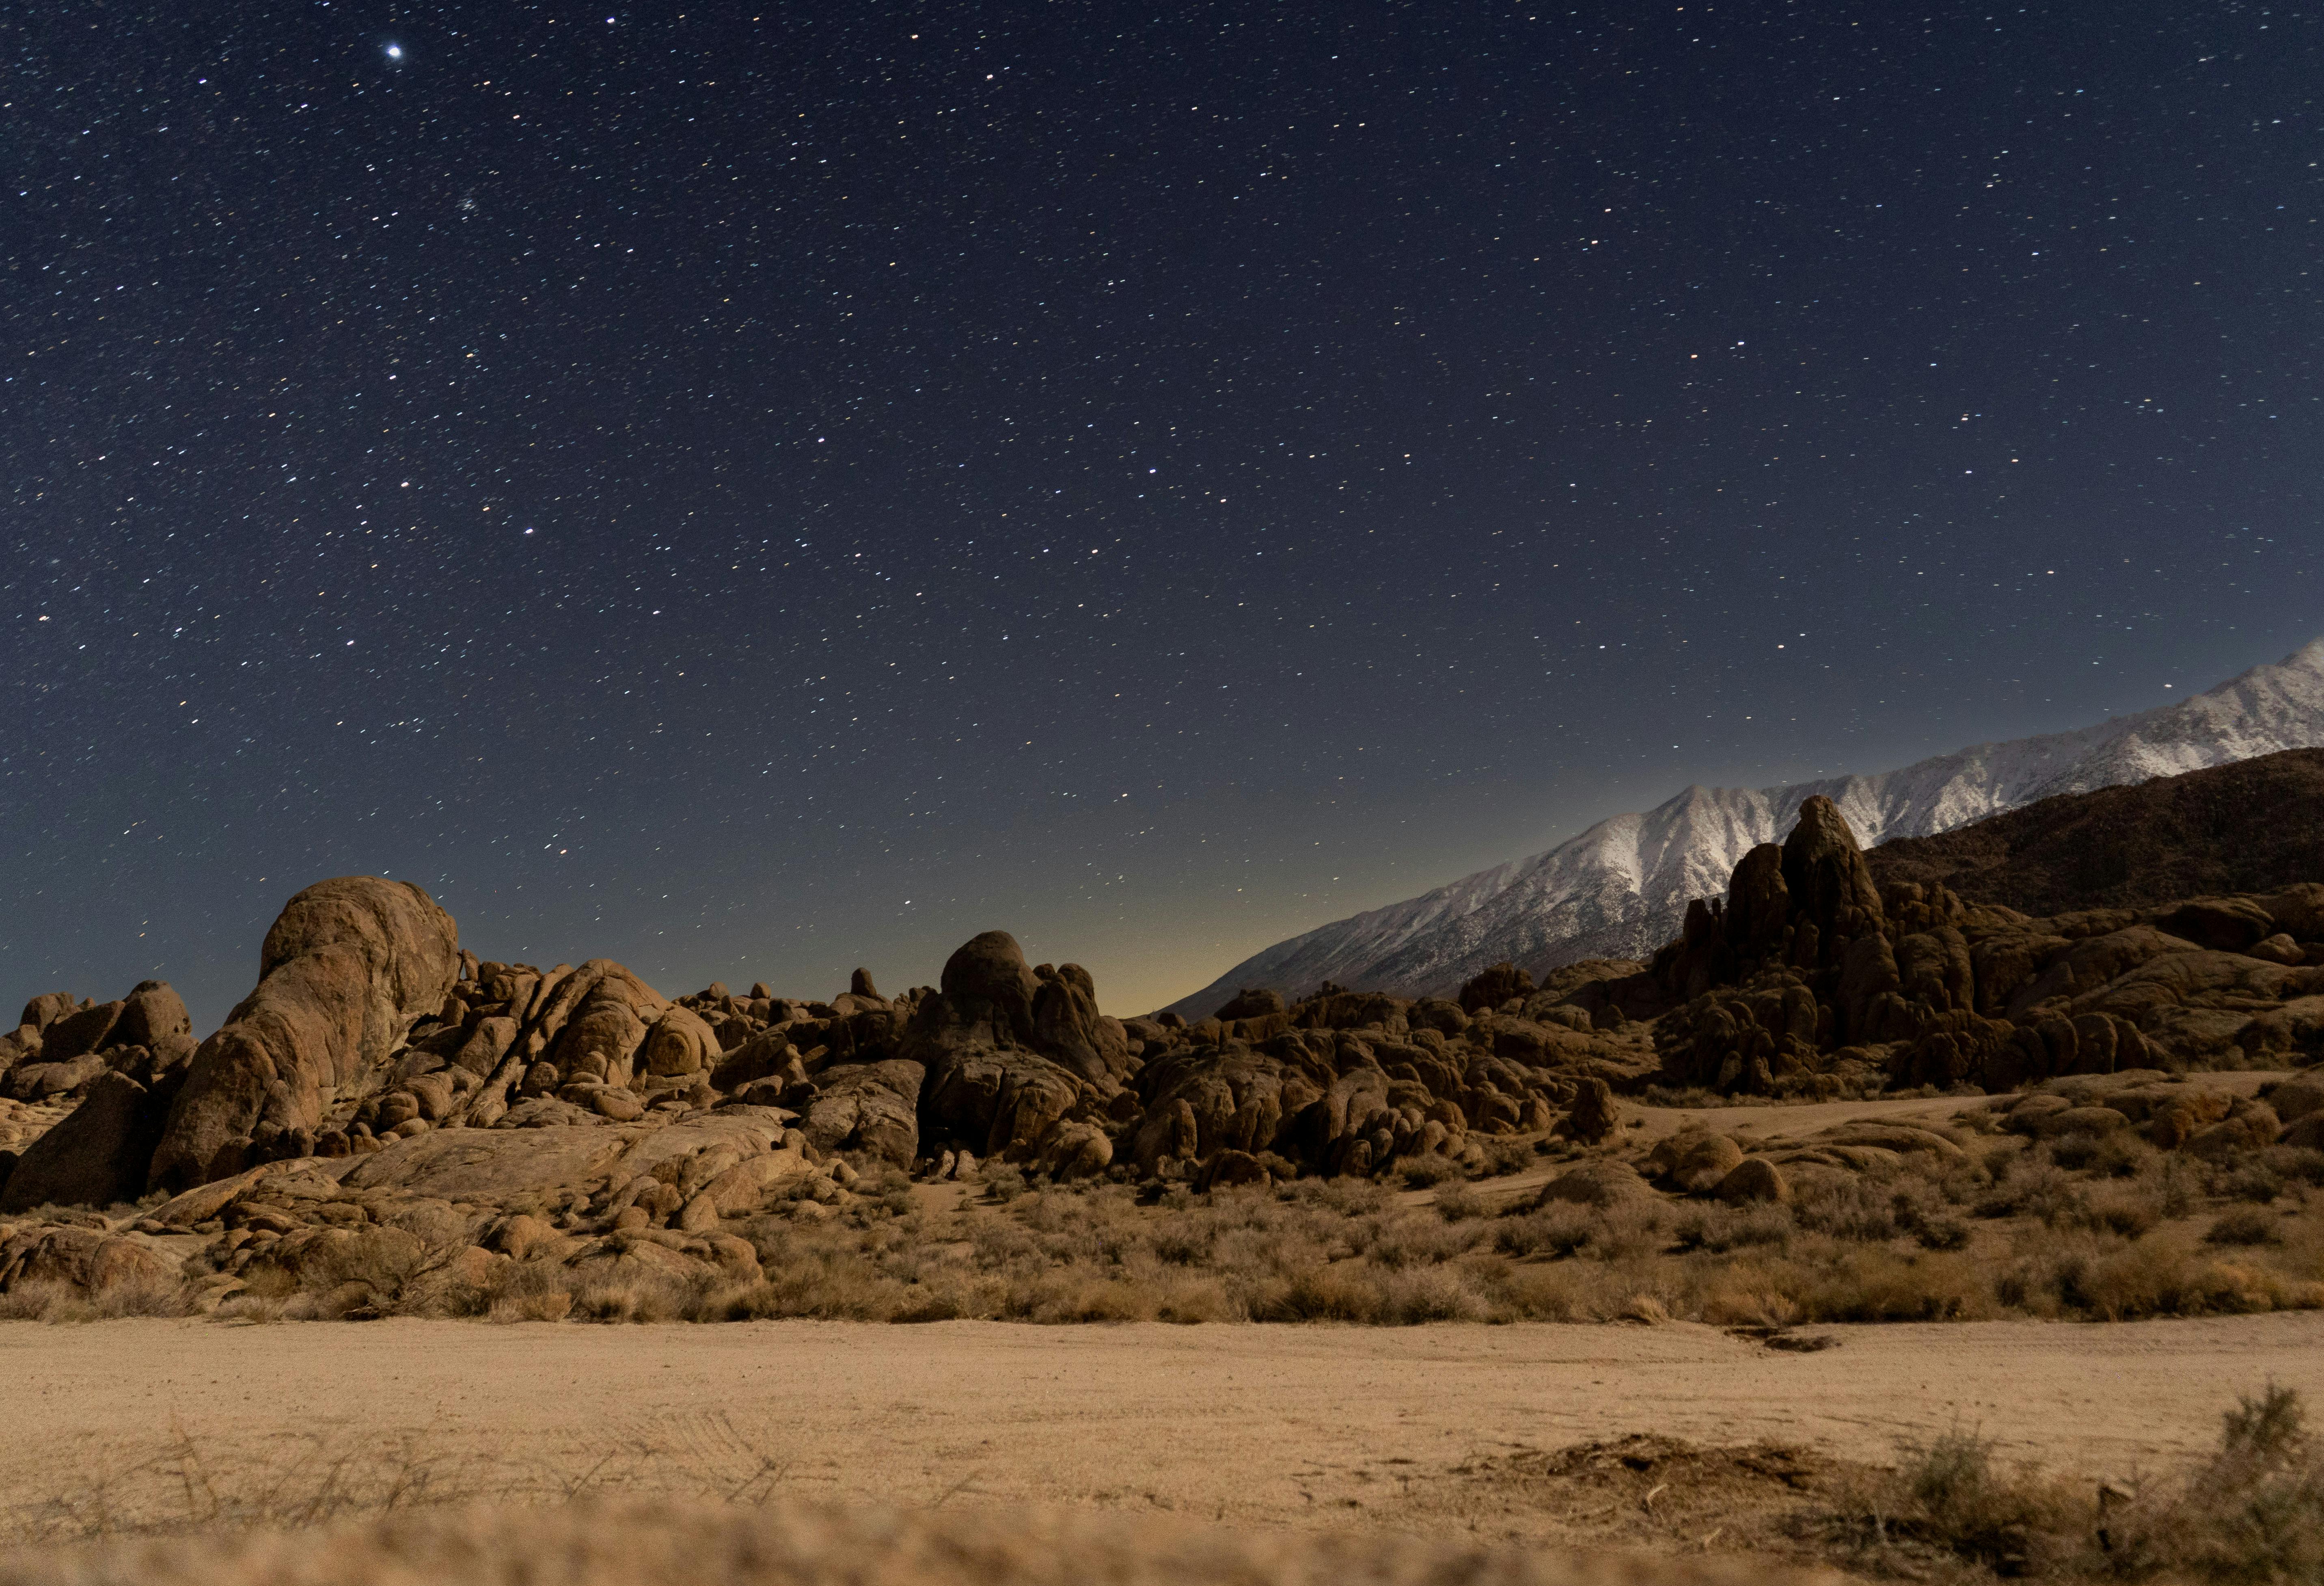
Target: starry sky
column 751, row 491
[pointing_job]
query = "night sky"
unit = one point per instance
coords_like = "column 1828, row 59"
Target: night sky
column 753, row 494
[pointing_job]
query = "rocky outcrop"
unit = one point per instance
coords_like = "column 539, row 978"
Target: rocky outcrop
column 1011, row 1052
column 118, row 1064
column 868, row 1107
column 61, row 1046
column 86, row 1259
column 1346, row 1083
column 347, row 968
column 97, row 1156
column 1812, row 979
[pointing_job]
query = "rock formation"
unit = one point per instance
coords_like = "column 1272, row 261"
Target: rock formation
column 348, row 967
column 1012, row 1051
column 61, row 1045
column 1813, row 979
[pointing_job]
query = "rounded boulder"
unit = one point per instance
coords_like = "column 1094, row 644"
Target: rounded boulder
column 1705, row 1163
column 1596, row 1183
column 1754, row 1180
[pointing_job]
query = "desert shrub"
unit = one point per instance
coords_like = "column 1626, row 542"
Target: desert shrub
column 1426, row 1172
column 42, row 1302
column 1003, row 1181
column 1610, row 1234
column 1954, row 1497
column 1750, row 1295
column 824, row 1290
column 1347, row 1197
column 1630, row 1230
column 2244, row 1225
column 2029, row 1184
column 1958, row 1180
column 1690, row 1097
column 1644, row 1308
column 2254, row 1512
column 543, row 1304
column 1456, row 1202
column 2166, row 1273
column 1076, row 1296
column 892, row 1201
column 2123, row 1154
column 1942, row 1233
column 2253, row 1179
column 2295, row 1163
column 1532, row 1293
column 1431, row 1293
column 997, row 1241
column 1416, row 1242
column 1182, row 1241
column 881, row 1177
column 143, row 1296
column 647, row 1294
column 1996, row 1157
column 2075, row 1151
column 1879, row 1285
column 2128, row 1210
column 1504, row 1155
column 1555, row 1230
column 1846, row 1205
column 1720, row 1229
column 1315, row 1294
column 1198, row 1299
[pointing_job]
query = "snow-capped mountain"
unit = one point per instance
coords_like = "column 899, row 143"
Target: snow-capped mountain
column 1621, row 888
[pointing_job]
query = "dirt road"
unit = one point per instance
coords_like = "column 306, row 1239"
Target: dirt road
column 1249, row 1423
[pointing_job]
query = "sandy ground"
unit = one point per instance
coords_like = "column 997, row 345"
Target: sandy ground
column 1273, row 1426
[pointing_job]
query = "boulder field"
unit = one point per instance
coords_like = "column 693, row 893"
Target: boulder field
column 379, row 1074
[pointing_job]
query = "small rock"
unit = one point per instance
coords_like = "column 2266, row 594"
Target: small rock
column 2279, row 948
column 621, row 1106
column 1705, row 1163
column 2307, row 1134
column 1752, row 1180
column 1594, row 1115
column 2295, row 1099
column 1230, row 1168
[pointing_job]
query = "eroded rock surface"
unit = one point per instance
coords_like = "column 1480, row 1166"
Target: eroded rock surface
column 349, row 968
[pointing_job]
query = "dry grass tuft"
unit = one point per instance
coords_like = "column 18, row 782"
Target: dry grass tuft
column 2251, row 1513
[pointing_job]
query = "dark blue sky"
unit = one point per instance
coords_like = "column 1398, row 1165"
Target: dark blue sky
column 772, row 489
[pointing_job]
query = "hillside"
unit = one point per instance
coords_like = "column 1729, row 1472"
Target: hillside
column 2247, row 828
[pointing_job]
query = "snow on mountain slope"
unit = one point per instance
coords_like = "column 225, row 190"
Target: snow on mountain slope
column 1621, row 887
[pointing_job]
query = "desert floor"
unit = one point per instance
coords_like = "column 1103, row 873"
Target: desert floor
column 130, row 1422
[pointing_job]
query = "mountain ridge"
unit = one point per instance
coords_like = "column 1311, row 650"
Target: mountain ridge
column 1619, row 888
